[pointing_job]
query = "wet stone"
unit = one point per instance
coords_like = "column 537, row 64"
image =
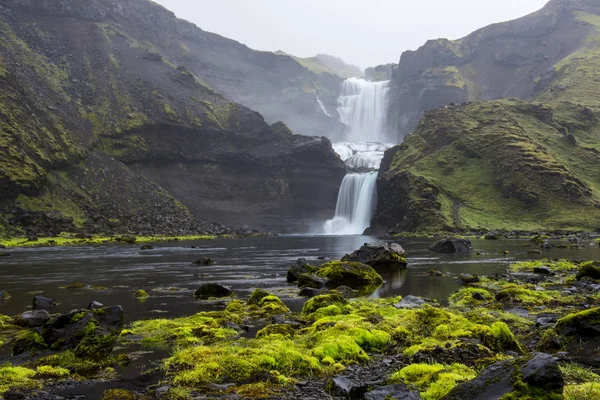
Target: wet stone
column 43, row 303
column 410, row 302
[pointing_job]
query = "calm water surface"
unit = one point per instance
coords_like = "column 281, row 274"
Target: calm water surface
column 244, row 264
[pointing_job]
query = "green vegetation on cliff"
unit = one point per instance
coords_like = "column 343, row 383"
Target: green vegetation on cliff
column 502, row 164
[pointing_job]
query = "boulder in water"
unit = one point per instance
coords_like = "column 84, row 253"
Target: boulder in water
column 43, row 303
column 212, row 290
column 309, row 292
column 467, row 279
column 493, row 235
column 311, row 281
column 203, row 261
column 451, row 245
column 352, row 274
column 379, row 255
column 518, row 378
column 302, row 267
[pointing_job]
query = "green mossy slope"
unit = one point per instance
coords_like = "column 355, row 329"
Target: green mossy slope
column 503, row 164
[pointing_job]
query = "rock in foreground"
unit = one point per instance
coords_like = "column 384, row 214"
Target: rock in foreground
column 536, row 377
column 379, row 255
column 89, row 333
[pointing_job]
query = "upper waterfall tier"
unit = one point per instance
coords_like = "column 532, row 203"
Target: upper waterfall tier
column 361, row 156
column 363, row 108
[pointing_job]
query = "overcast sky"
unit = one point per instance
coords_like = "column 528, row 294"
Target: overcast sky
column 362, row 32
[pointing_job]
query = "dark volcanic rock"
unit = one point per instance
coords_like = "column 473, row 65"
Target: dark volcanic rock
column 399, row 392
column 203, row 261
column 542, row 270
column 302, row 267
column 348, row 388
column 311, row 281
column 32, row 319
column 43, row 303
column 540, row 372
column 451, row 245
column 95, row 305
column 379, row 255
column 410, row 302
column 89, row 333
column 467, row 279
column 590, row 271
column 493, row 235
column 210, row 290
column 582, row 324
column 309, row 292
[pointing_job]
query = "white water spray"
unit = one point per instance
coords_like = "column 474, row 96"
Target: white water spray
column 363, row 108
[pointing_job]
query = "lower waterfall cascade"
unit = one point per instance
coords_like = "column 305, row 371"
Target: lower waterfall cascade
column 363, row 109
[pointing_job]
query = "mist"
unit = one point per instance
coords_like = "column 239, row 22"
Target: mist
column 364, row 33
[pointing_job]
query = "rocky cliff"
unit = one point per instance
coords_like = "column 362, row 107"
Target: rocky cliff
column 502, row 163
column 513, row 59
column 105, row 124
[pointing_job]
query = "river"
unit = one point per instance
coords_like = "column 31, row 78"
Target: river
column 243, row 264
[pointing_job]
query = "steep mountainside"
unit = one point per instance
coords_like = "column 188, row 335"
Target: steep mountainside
column 503, row 163
column 98, row 108
column 520, row 58
column 276, row 86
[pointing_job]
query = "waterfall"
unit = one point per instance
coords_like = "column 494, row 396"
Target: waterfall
column 322, row 106
column 363, row 108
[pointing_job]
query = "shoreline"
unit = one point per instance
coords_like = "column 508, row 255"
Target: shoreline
column 96, row 240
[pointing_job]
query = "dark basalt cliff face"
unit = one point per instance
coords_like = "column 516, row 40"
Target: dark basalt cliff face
column 105, row 126
column 511, row 59
column 499, row 164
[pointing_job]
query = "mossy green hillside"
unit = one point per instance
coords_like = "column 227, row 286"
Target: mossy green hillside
column 502, row 164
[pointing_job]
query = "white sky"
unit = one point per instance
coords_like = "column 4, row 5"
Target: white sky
column 362, row 32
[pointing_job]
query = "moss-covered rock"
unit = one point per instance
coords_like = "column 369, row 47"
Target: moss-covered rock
column 379, row 255
column 89, row 333
column 582, row 324
column 322, row 301
column 535, row 377
column 589, row 270
column 352, row 274
column 141, row 294
column 286, row 330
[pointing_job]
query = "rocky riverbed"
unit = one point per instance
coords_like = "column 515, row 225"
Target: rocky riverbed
column 525, row 332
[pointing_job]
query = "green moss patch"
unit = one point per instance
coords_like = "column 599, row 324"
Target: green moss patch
column 434, row 381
